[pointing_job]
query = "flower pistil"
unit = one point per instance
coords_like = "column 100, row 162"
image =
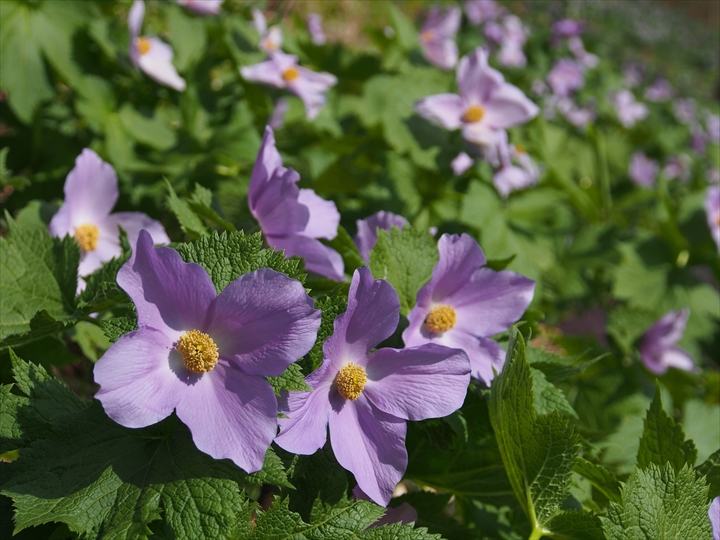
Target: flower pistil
column 474, row 113
column 350, row 381
column 143, row 45
column 198, row 350
column 441, row 319
column 290, row 74
column 86, row 235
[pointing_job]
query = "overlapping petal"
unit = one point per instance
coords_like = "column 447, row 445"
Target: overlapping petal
column 157, row 63
column 324, row 218
column 443, row 109
column 319, row 258
column 367, row 230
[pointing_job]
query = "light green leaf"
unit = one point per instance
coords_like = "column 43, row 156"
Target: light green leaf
column 187, row 37
column 710, row 469
column 148, row 131
column 201, row 203
column 190, row 223
column 548, row 397
column 292, row 380
column 600, row 477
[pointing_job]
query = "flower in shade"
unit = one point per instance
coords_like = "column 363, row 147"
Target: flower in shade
column 586, row 59
column 366, row 397
column 437, row 37
column 282, row 71
column 643, row 171
column 685, row 110
column 657, row 348
column 314, row 26
column 714, row 515
column 494, row 32
column 464, row 303
column 517, row 170
column 461, row 163
column 566, row 28
column 367, row 235
column 403, row 514
column 660, row 90
column 485, row 105
column 270, row 38
column 566, row 77
column 678, row 167
column 480, row 11
column 291, row 218
column 151, row 54
column 205, row 355
column 203, row 7
column 628, row 110
column 712, row 211
column 91, row 191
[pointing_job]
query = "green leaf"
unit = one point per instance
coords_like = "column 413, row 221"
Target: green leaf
column 150, row 131
column 406, row 258
column 710, row 469
column 345, row 246
column 190, row 223
column 558, row 368
column 548, row 397
column 331, row 307
column 6, row 175
column 663, row 441
column 102, row 291
column 118, row 326
column 660, row 502
column 292, row 380
column 187, row 36
column 201, row 203
column 576, row 526
column 600, row 477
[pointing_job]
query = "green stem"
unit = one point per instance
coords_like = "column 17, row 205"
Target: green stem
column 537, row 534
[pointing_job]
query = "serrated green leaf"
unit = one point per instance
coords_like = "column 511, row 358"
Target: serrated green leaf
column 397, row 531
column 291, row 380
column 118, row 326
column 575, row 526
column 201, row 203
column 600, row 477
column 558, row 368
column 710, row 469
column 189, row 222
column 102, row 291
column 548, row 397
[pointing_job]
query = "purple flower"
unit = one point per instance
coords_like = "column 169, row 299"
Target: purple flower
column 464, row 303
column 511, row 55
column 712, row 211
column 290, row 218
column 367, row 237
column 365, row 398
column 314, row 26
column 628, row 110
column 657, row 348
column 586, row 59
column 643, row 171
column 403, row 514
column 568, row 28
column 577, row 116
column 494, row 32
column 461, row 163
column 590, row 323
column 713, row 175
column 205, row 355
column 485, row 105
column 632, row 74
column 150, row 54
column 437, row 37
column 660, row 90
column 685, row 110
column 712, row 122
column 91, row 191
column 714, row 515
column 512, row 177
column 281, row 70
column 565, row 77
column 480, row 11
column 678, row 167
column 699, row 139
column 203, row 7
column 270, row 38
column 277, row 120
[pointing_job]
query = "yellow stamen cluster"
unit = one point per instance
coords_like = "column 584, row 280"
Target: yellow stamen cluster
column 86, row 235
column 198, row 350
column 427, row 37
column 144, row 45
column 520, row 149
column 474, row 113
column 441, row 319
column 350, row 381
column 290, row 74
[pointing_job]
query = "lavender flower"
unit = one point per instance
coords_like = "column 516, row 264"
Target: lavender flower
column 485, row 105
column 511, row 47
column 568, row 28
column 204, row 355
column 151, row 54
column 314, row 26
column 565, row 77
column 282, row 71
column 512, row 177
column 714, row 515
column 270, row 38
column 437, row 37
column 480, row 11
column 461, row 163
column 678, row 167
column 643, row 171
column 91, row 191
column 685, row 110
column 367, row 236
column 403, row 514
column 511, row 55
column 712, row 211
column 463, row 303
column 632, row 74
column 660, row 90
column 203, row 7
column 577, row 116
column 699, row 139
column 365, row 398
column 628, row 110
column 657, row 348
column 293, row 219
column 494, row 32
column 586, row 59
column 712, row 122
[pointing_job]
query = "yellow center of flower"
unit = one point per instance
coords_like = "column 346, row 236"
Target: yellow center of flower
column 520, row 149
column 350, row 381
column 474, row 113
column 441, row 319
column 86, row 235
column 427, row 37
column 143, row 45
column 198, row 350
column 290, row 74
column 270, row 45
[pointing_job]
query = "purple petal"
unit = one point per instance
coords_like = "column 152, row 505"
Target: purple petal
column 371, row 445
column 169, row 294
column 669, row 329
column 266, row 72
column 231, row 415
column 138, row 386
column 461, row 163
column 443, row 23
column 417, row 383
column 484, row 353
column 277, row 120
column 367, row 235
column 324, row 216
column 314, row 26
column 263, row 321
column 372, row 315
column 157, row 64
column 459, row 258
column 319, row 258
column 714, row 514
column 445, row 110
column 512, row 178
column 311, row 87
column 441, row 52
column 476, row 80
column 259, row 21
column 712, row 212
column 508, row 107
column 133, row 222
column 135, row 18
column 203, row 7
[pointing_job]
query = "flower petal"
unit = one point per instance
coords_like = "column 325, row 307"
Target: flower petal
column 324, row 216
column 157, row 63
column 367, row 234
column 263, row 321
column 508, row 106
column 476, row 80
column 319, row 258
column 484, row 353
column 133, row 222
column 445, row 110
column 441, row 52
column 459, row 258
column 266, row 72
column 311, row 87
column 419, row 382
column 135, row 18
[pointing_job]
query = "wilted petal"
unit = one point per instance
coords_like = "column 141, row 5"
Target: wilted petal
column 319, row 258
column 443, row 109
column 324, row 216
column 367, row 234
column 157, row 63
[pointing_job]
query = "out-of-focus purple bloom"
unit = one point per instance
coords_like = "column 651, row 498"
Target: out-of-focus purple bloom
column 480, row 11
column 628, row 110
column 512, row 177
column 565, row 77
column 270, row 38
column 660, row 90
column 203, row 7
column 150, row 54
column 713, row 175
column 365, row 398
column 590, row 323
column 205, row 355
column 277, row 120
column 685, row 110
column 403, row 514
column 568, row 28
column 293, row 219
column 678, row 167
column 511, row 47
column 485, row 105
column 511, row 55
column 699, row 139
column 657, row 348
column 367, row 235
column 586, row 59
column 539, row 87
column 577, row 116
column 461, row 163
column 494, row 32
column 632, row 74
column 282, row 71
column 314, row 26
column 643, row 170
column 91, row 191
column 712, row 211
column 714, row 515
column 712, row 122
column 437, row 37
column 515, row 30
column 465, row 302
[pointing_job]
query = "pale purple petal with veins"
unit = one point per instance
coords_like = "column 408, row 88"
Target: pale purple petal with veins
column 367, row 234
column 318, row 257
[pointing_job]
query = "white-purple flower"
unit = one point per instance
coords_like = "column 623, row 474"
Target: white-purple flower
column 628, row 110
column 657, row 348
column 437, row 37
column 91, row 191
column 314, row 26
column 517, row 170
column 464, row 303
column 461, row 163
column 282, row 71
column 151, row 54
column 205, row 355
column 660, row 90
column 712, row 211
column 566, row 77
column 270, row 38
column 643, row 171
column 485, row 105
column 293, row 219
column 714, row 515
column 202, row 7
column 632, row 74
column 367, row 235
column 366, row 397
column 480, row 11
